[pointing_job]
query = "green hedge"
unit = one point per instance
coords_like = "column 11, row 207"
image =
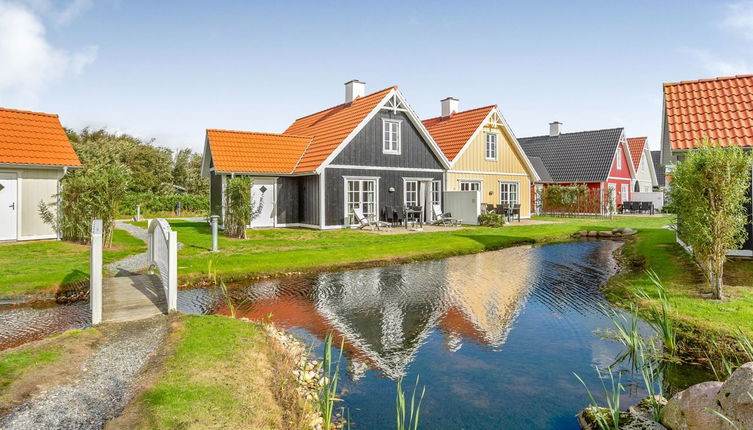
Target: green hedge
column 151, row 203
column 491, row 219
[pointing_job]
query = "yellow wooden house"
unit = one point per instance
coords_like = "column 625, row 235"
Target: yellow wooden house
column 484, row 155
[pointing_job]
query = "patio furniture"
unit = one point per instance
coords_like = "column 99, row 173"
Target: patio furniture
column 363, row 221
column 443, row 218
column 647, row 207
column 391, row 215
column 514, row 211
column 414, row 215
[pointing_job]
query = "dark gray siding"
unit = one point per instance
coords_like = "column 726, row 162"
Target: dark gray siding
column 215, row 193
column 366, row 148
column 335, row 187
column 298, row 200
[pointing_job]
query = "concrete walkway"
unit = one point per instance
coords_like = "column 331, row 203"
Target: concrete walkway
column 133, row 264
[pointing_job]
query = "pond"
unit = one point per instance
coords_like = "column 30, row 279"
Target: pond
column 495, row 337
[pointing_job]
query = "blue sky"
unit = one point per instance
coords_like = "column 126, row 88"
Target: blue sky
column 169, row 70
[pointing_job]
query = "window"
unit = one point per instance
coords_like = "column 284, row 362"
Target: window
column 470, row 186
column 491, row 146
column 360, row 194
column 410, row 196
column 624, row 195
column 619, row 158
column 390, row 137
column 436, row 193
column 508, row 193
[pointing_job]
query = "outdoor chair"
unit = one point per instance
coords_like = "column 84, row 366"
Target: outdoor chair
column 515, row 211
column 363, row 221
column 443, row 218
column 647, row 207
column 390, row 215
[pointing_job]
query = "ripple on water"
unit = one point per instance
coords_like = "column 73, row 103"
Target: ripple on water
column 19, row 325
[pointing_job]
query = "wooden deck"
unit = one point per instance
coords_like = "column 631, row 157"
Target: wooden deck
column 131, row 298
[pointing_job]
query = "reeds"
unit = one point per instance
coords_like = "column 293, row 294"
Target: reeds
column 407, row 418
column 650, row 369
column 611, row 419
column 660, row 318
column 328, row 391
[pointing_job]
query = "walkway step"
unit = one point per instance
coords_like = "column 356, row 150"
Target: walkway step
column 132, row 298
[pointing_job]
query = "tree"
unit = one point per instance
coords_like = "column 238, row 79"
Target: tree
column 708, row 192
column 239, row 208
column 187, row 172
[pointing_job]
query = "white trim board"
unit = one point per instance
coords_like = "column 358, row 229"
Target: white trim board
column 475, row 172
column 382, row 168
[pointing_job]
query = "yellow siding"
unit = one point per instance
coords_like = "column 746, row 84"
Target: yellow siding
column 508, row 167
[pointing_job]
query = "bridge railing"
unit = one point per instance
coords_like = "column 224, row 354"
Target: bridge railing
column 162, row 254
column 95, row 277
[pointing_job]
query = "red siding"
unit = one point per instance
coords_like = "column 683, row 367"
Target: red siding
column 621, row 176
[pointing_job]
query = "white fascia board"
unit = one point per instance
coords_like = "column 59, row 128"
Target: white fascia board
column 626, row 150
column 37, row 166
column 205, row 157
column 518, row 147
column 416, row 120
column 650, row 160
column 473, row 136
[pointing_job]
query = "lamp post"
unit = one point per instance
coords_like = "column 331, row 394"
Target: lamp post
column 214, row 220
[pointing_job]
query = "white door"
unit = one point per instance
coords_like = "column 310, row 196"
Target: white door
column 612, row 197
column 8, row 206
column 263, row 193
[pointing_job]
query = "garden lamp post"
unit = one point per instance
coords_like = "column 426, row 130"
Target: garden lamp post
column 213, row 220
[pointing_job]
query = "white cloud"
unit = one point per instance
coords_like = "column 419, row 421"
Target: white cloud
column 29, row 62
column 739, row 17
column 719, row 66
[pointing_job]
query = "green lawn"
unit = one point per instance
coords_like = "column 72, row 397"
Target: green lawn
column 277, row 251
column 29, row 267
column 13, row 363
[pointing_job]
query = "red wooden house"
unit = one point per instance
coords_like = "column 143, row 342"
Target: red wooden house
column 599, row 159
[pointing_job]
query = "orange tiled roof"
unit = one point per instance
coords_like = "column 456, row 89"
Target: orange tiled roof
column 330, row 127
column 34, row 138
column 720, row 109
column 452, row 132
column 242, row 151
column 636, row 145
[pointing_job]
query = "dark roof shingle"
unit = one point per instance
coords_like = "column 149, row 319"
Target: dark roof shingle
column 540, row 169
column 584, row 156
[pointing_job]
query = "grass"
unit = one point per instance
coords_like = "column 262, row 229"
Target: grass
column 45, row 266
column 14, row 363
column 281, row 251
column 222, row 375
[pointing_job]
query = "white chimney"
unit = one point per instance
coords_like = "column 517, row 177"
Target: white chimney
column 354, row 89
column 555, row 128
column 449, row 106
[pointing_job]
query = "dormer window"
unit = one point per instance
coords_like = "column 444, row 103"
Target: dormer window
column 491, row 146
column 390, row 136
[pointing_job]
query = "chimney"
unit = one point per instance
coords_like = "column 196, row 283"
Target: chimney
column 449, row 106
column 555, row 129
column 354, row 89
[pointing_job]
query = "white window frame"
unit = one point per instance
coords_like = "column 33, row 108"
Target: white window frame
column 624, row 192
column 387, row 143
column 438, row 192
column 517, row 192
column 361, row 179
column 619, row 158
column 470, row 182
column 405, row 191
column 494, row 146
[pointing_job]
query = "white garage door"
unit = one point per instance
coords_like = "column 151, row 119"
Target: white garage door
column 8, row 206
column 263, row 192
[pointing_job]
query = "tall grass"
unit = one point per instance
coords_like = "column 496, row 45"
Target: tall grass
column 660, row 318
column 650, row 369
column 407, row 415
column 328, row 390
column 610, row 419
column 626, row 331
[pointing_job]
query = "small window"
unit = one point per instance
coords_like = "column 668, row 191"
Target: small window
column 391, row 137
column 491, row 146
column 470, row 186
column 619, row 158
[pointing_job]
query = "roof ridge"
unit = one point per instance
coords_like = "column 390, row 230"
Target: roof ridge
column 258, row 133
column 393, row 87
column 30, row 112
column 461, row 112
column 573, row 132
column 721, row 78
column 303, row 154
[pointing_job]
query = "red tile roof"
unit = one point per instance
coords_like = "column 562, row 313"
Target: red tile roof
column 330, row 127
column 243, row 151
column 34, row 138
column 720, row 109
column 636, row 145
column 452, row 132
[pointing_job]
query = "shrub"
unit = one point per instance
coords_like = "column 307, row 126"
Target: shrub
column 239, row 209
column 153, row 203
column 491, row 219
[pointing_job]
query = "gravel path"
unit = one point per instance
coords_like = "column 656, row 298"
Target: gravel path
column 135, row 263
column 103, row 390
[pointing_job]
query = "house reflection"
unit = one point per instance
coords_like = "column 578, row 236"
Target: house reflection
column 385, row 314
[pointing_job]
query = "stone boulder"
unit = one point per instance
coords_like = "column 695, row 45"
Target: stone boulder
column 593, row 233
column 734, row 397
column 687, row 410
column 628, row 232
column 605, row 234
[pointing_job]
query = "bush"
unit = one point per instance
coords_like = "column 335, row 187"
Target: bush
column 239, row 209
column 491, row 219
column 154, row 203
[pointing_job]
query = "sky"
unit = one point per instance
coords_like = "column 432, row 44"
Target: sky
column 168, row 70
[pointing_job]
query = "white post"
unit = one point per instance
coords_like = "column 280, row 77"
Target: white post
column 172, row 287
column 95, row 276
column 138, row 212
column 214, row 219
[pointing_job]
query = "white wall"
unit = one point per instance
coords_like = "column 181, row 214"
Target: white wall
column 463, row 205
column 657, row 198
column 35, row 185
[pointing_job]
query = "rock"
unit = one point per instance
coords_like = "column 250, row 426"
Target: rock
column 734, row 397
column 583, row 233
column 642, row 416
column 605, row 234
column 618, row 230
column 628, row 232
column 593, row 233
column 687, row 409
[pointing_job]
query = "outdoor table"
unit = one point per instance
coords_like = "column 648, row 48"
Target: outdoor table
column 420, row 217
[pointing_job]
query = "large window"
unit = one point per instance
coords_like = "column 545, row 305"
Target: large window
column 509, row 193
column 470, row 186
column 390, row 137
column 410, row 195
column 436, row 193
column 491, row 146
column 625, row 192
column 360, row 193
